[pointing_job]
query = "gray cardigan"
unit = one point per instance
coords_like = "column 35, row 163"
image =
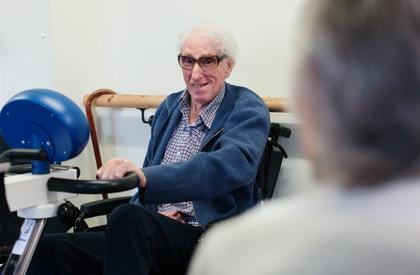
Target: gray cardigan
column 220, row 179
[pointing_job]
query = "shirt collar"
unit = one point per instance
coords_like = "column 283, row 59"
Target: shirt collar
column 208, row 113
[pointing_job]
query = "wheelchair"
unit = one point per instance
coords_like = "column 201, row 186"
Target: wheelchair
column 267, row 176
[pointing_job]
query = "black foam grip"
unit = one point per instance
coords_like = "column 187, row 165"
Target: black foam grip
column 128, row 182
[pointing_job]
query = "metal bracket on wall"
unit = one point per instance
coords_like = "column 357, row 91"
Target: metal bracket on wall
column 143, row 117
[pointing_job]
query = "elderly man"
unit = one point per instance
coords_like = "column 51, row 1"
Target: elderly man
column 359, row 99
column 200, row 167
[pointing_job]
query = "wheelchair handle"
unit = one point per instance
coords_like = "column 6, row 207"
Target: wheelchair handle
column 128, row 182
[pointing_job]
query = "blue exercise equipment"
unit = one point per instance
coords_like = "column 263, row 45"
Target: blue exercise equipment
column 47, row 128
column 44, row 119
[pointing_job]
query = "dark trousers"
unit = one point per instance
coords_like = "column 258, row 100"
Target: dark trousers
column 136, row 241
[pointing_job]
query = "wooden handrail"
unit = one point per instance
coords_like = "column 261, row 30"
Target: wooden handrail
column 111, row 99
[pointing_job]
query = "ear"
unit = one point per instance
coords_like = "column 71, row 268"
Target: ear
column 307, row 90
column 229, row 66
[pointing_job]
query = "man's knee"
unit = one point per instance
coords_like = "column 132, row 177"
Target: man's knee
column 128, row 216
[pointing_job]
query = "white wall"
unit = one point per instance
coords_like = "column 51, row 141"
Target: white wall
column 25, row 50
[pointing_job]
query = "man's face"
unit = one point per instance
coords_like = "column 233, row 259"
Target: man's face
column 203, row 85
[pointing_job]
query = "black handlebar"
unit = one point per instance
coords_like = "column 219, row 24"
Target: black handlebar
column 23, row 154
column 128, row 182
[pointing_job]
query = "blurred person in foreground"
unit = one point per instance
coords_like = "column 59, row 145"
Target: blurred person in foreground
column 358, row 96
column 201, row 165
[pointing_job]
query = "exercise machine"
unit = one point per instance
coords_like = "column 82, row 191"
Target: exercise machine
column 45, row 127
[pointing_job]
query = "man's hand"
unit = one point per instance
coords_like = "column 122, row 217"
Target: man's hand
column 176, row 215
column 117, row 168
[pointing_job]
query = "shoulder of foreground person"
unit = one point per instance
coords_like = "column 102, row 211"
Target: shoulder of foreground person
column 318, row 233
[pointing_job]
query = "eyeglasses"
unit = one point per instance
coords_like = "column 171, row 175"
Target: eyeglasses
column 187, row 62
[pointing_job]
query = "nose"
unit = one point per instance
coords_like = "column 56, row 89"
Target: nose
column 196, row 71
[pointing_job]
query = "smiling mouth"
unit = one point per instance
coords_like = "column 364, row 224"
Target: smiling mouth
column 197, row 86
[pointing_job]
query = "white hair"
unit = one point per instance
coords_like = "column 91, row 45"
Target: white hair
column 223, row 41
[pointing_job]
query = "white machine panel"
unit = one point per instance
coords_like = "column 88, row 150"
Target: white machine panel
column 27, row 190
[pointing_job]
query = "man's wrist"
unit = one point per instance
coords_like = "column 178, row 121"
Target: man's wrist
column 142, row 178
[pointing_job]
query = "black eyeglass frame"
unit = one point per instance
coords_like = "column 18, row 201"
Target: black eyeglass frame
column 218, row 60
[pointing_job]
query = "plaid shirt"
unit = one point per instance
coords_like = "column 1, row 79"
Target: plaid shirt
column 185, row 143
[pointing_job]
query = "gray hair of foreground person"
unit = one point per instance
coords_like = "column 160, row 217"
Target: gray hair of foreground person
column 221, row 39
column 362, row 91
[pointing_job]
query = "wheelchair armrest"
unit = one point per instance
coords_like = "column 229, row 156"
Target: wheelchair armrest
column 102, row 207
